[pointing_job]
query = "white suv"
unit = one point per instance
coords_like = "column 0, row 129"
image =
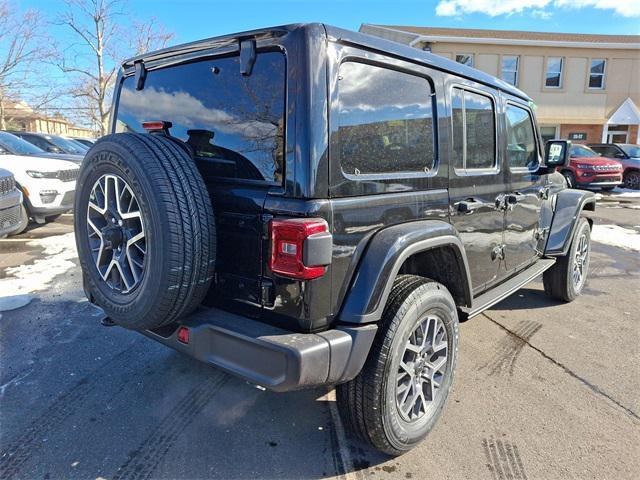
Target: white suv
column 48, row 185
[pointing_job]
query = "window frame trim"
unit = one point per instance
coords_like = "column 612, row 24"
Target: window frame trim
column 424, row 173
column 535, row 138
column 468, row 172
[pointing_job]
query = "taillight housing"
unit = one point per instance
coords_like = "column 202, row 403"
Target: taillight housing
column 300, row 247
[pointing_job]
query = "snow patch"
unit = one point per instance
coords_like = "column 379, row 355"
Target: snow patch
column 616, row 236
column 58, row 253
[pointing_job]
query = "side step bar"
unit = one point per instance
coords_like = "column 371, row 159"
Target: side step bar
column 505, row 289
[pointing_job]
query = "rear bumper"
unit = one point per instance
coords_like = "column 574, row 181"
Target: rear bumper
column 269, row 356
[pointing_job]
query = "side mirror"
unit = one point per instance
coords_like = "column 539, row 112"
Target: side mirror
column 53, row 149
column 556, row 153
column 620, row 155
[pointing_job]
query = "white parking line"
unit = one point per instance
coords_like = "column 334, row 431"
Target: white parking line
column 343, row 445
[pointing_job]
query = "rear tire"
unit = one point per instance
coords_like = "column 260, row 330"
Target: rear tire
column 164, row 203
column 371, row 404
column 561, row 281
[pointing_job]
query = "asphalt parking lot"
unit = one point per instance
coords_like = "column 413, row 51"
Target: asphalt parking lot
column 542, row 391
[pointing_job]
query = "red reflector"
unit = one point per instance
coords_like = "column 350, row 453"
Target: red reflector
column 287, row 243
column 156, row 125
column 183, row 335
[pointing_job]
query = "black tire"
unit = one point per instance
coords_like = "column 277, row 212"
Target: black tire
column 367, row 404
column 632, row 180
column 24, row 221
column 558, row 280
column 178, row 223
column 570, row 178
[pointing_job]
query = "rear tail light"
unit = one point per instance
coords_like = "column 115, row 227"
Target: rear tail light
column 300, row 248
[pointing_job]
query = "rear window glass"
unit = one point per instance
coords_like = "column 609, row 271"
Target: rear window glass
column 521, row 143
column 385, row 121
column 474, row 131
column 234, row 123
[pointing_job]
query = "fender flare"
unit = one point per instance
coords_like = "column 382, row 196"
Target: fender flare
column 569, row 204
column 381, row 262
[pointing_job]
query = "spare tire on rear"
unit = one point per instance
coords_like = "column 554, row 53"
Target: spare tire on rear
column 144, row 228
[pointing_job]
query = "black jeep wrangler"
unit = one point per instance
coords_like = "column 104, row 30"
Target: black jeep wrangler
column 305, row 206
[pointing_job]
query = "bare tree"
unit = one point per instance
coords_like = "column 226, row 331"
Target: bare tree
column 103, row 42
column 22, row 46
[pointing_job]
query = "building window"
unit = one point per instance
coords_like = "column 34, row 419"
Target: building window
column 473, row 117
column 510, row 65
column 548, row 133
column 465, row 59
column 554, row 72
column 596, row 73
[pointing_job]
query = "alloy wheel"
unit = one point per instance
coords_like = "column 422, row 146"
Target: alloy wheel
column 581, row 262
column 115, row 228
column 422, row 369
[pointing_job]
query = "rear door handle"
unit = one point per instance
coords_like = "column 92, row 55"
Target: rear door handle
column 469, row 205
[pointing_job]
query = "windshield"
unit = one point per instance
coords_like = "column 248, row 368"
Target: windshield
column 18, row 146
column 582, row 151
column 631, row 150
column 66, row 145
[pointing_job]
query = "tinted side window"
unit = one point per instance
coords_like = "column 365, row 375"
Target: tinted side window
column 385, row 121
column 521, row 143
column 473, row 122
column 607, row 151
column 234, row 123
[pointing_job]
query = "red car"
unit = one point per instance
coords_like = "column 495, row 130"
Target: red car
column 588, row 169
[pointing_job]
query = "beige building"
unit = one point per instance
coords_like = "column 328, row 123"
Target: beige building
column 586, row 87
column 20, row 116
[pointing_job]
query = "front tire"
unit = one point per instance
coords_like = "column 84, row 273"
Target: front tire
column 401, row 391
column 566, row 279
column 632, row 180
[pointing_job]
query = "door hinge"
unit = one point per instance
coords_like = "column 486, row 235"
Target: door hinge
column 497, row 253
column 541, row 233
column 543, row 192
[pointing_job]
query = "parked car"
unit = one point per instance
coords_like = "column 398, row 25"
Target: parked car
column 206, row 220
column 628, row 155
column 588, row 169
column 10, row 143
column 87, row 142
column 12, row 216
column 47, row 184
column 51, row 143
